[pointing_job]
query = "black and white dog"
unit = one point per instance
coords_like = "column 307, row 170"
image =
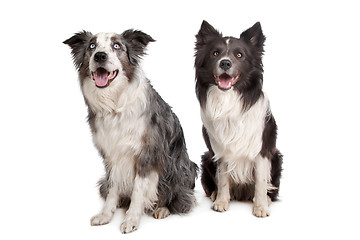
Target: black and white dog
column 134, row 129
column 239, row 129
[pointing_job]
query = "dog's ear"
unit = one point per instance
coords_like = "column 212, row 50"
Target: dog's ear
column 205, row 34
column 78, row 43
column 254, row 36
column 136, row 42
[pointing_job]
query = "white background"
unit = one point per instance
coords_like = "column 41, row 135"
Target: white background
column 49, row 167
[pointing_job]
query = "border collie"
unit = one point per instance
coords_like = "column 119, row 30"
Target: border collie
column 239, row 130
column 134, row 129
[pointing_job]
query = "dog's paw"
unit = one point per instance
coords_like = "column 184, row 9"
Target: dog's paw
column 161, row 213
column 261, row 211
column 100, row 219
column 129, row 225
column 220, row 205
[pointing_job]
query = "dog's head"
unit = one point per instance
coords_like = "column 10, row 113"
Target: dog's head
column 107, row 57
column 227, row 61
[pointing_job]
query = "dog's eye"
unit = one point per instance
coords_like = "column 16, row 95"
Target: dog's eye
column 216, row 53
column 116, row 46
column 92, row 46
column 239, row 55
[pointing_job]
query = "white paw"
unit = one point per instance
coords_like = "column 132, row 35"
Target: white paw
column 261, row 211
column 129, row 225
column 161, row 213
column 220, row 205
column 100, row 219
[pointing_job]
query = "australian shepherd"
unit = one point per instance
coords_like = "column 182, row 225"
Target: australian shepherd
column 242, row 162
column 134, row 129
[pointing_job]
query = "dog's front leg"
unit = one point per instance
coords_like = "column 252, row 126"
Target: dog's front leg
column 221, row 203
column 143, row 196
column 262, row 178
column 108, row 210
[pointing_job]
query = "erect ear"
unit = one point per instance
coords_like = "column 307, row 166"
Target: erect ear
column 78, row 43
column 206, row 33
column 254, row 36
column 136, row 42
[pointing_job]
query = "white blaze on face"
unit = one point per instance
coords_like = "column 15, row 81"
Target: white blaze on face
column 227, row 41
column 104, row 72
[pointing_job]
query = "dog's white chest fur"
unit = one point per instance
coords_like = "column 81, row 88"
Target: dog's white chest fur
column 235, row 134
column 120, row 139
column 119, row 132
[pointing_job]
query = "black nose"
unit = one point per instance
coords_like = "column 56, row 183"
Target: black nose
column 225, row 64
column 100, row 57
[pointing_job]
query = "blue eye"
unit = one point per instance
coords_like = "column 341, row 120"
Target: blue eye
column 116, row 46
column 92, row 46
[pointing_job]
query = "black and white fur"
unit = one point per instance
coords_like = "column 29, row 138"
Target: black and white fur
column 239, row 129
column 134, row 129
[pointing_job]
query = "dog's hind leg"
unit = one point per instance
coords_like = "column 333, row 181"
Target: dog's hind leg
column 208, row 169
column 276, row 168
column 143, row 197
column 208, row 181
column 108, row 210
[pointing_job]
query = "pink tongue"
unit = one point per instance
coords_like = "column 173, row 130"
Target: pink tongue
column 225, row 84
column 101, row 77
column 225, row 81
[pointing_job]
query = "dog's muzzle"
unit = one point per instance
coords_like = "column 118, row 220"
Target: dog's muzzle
column 103, row 78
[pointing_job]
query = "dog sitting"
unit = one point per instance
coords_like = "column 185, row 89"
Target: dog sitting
column 242, row 162
column 134, row 129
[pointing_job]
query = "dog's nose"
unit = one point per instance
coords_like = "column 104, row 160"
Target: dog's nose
column 225, row 64
column 100, row 57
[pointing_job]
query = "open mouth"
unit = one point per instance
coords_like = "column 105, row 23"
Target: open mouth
column 225, row 81
column 103, row 78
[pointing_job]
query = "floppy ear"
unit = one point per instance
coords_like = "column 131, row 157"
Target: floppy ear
column 254, row 36
column 136, row 42
column 78, row 43
column 206, row 33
